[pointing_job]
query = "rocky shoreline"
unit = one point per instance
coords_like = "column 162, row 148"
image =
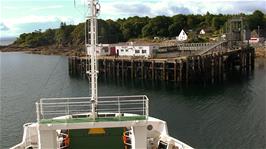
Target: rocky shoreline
column 44, row 50
column 260, row 51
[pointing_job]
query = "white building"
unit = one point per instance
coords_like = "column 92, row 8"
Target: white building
column 182, row 36
column 202, row 32
column 136, row 50
column 256, row 40
column 105, row 49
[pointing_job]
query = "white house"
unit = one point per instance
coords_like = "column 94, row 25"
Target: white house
column 202, row 32
column 136, row 50
column 182, row 36
column 104, row 49
column 255, row 38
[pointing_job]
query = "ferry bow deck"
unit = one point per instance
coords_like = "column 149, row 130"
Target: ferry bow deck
column 68, row 123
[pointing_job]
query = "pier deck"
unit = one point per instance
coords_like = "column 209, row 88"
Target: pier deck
column 208, row 67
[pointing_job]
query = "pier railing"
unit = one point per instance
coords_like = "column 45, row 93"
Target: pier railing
column 194, row 46
column 79, row 109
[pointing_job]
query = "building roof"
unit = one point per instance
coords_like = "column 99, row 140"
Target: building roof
column 182, row 33
column 136, row 44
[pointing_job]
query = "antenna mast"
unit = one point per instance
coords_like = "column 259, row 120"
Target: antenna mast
column 91, row 50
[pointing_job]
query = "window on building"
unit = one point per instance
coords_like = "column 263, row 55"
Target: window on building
column 144, row 51
column 122, row 50
column 137, row 51
column 126, row 50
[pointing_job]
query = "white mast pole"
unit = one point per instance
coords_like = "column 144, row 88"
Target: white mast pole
column 91, row 50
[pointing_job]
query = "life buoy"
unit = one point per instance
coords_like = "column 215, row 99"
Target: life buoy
column 124, row 138
column 67, row 141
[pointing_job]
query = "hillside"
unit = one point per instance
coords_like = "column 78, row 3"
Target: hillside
column 136, row 27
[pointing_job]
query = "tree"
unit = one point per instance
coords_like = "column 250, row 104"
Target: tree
column 132, row 27
column 63, row 34
column 114, row 32
column 256, row 19
column 179, row 22
column 193, row 21
column 217, row 22
column 157, row 26
column 135, row 27
column 49, row 36
column 78, row 34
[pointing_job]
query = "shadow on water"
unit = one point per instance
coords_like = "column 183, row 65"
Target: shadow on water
column 233, row 78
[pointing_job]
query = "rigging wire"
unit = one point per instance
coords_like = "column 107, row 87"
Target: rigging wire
column 85, row 11
column 41, row 90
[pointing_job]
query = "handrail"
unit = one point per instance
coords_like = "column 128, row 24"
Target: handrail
column 212, row 47
column 102, row 97
column 50, row 108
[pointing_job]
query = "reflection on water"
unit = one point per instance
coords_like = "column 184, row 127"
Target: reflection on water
column 229, row 115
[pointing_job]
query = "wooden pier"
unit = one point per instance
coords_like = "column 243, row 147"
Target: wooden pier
column 204, row 69
column 189, row 63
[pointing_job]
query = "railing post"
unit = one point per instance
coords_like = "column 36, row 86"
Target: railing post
column 144, row 105
column 68, row 106
column 119, row 112
column 37, row 112
column 41, row 109
column 147, row 107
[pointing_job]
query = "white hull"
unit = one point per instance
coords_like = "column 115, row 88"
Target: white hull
column 158, row 133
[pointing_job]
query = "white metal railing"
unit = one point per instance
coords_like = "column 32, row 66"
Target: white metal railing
column 30, row 137
column 194, row 46
column 109, row 107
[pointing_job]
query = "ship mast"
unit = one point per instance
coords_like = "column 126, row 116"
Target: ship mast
column 91, row 51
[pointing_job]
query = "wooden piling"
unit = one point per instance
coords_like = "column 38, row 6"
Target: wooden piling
column 210, row 68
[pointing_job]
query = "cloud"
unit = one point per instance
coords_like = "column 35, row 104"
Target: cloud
column 9, row 7
column 121, row 8
column 3, row 27
column 16, row 24
column 31, row 23
column 37, row 19
column 47, row 7
column 134, row 9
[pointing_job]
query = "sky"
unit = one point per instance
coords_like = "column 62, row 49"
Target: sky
column 20, row 16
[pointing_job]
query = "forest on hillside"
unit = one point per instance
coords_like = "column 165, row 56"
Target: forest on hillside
column 135, row 27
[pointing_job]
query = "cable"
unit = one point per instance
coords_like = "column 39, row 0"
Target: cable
column 41, row 90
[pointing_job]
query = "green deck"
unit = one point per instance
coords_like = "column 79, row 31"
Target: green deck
column 87, row 119
column 81, row 139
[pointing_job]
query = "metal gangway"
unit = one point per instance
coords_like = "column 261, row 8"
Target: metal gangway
column 217, row 47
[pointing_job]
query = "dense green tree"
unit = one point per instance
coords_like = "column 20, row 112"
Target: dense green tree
column 132, row 27
column 218, row 22
column 179, row 23
column 78, row 34
column 193, row 21
column 135, row 27
column 114, row 32
column 49, row 36
column 157, row 26
column 256, row 20
column 63, row 34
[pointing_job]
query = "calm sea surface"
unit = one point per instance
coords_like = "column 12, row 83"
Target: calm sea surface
column 231, row 115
